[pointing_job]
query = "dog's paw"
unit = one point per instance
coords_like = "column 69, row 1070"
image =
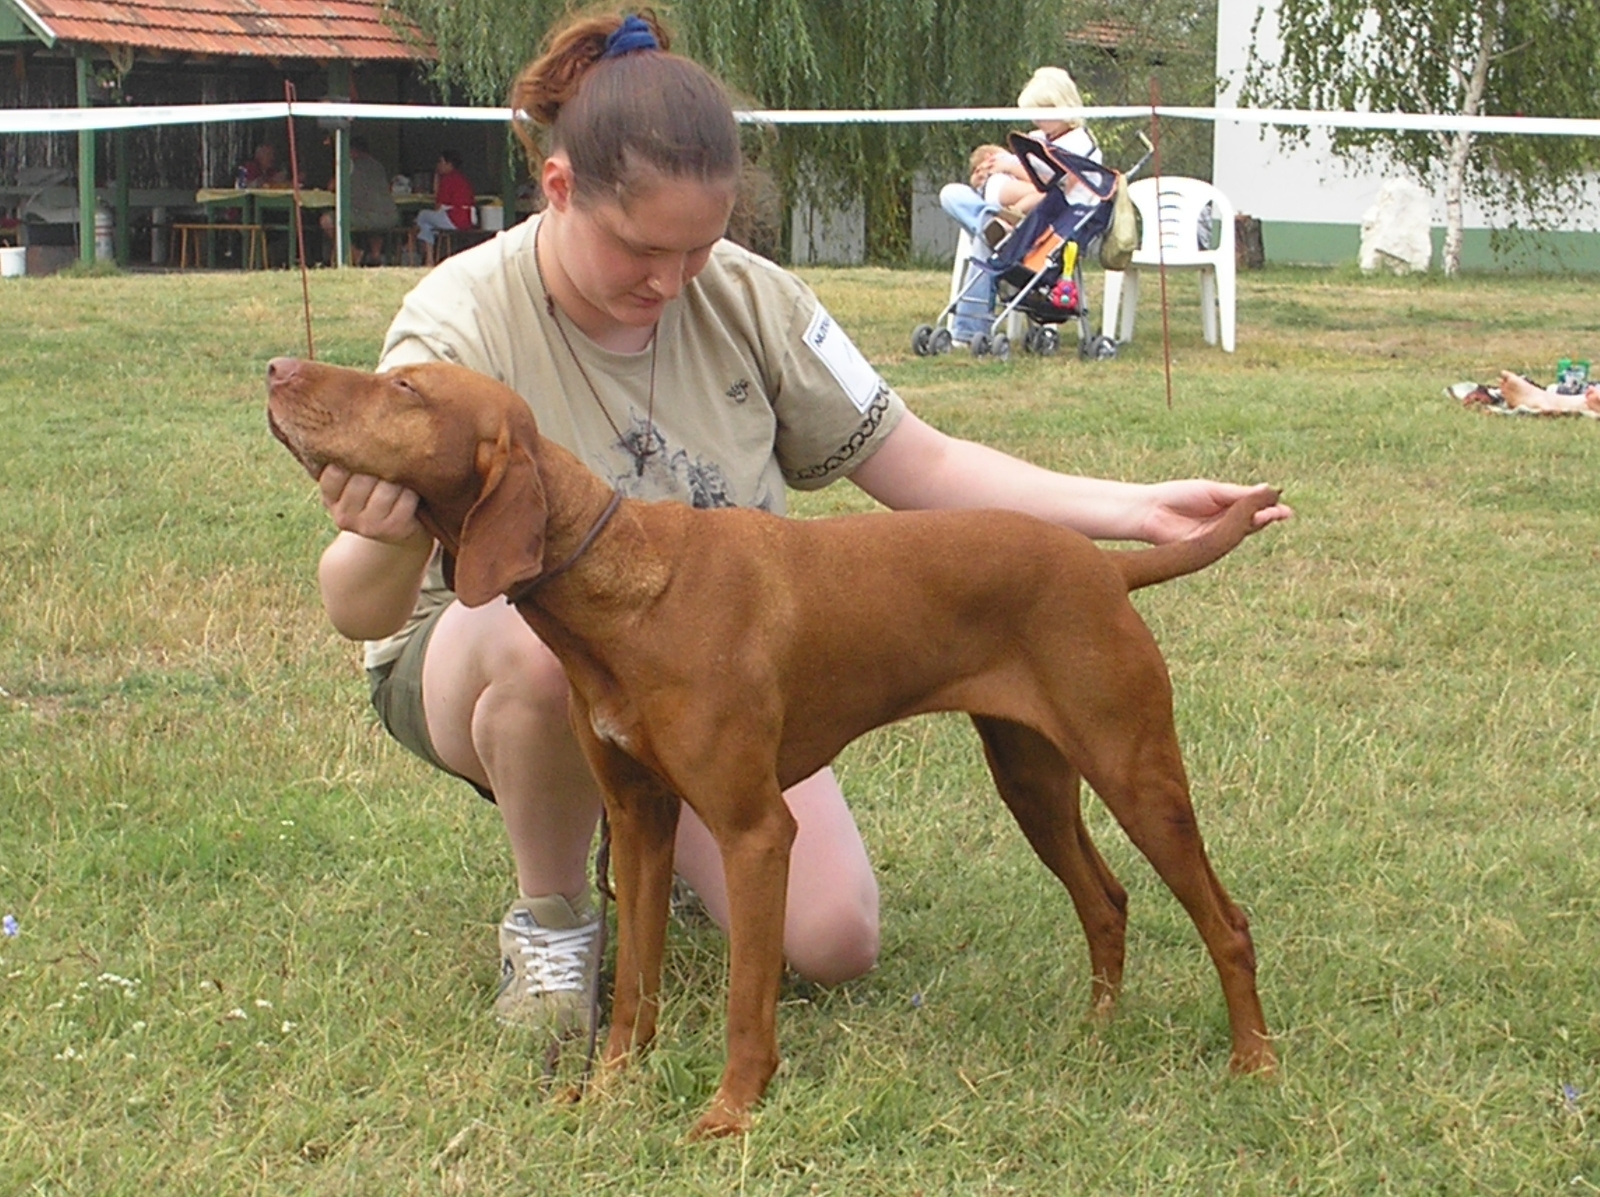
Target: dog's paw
column 720, row 1121
column 1259, row 1060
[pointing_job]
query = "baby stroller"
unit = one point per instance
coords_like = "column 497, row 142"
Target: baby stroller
column 1038, row 267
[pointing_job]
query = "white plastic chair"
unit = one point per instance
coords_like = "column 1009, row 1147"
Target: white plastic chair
column 1172, row 228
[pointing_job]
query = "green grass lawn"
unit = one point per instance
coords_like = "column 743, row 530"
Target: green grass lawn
column 256, row 948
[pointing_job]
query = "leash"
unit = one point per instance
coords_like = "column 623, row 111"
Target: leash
column 602, row 882
column 289, row 97
column 602, row 854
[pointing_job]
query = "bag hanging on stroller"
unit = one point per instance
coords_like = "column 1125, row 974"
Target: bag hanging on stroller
column 1038, row 266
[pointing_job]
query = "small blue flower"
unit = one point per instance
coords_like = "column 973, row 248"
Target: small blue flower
column 9, row 926
column 916, row 1001
column 1571, row 1093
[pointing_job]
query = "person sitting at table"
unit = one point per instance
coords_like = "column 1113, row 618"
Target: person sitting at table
column 453, row 197
column 372, row 207
column 261, row 169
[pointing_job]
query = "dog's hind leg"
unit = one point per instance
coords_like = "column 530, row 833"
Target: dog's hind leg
column 1134, row 765
column 1041, row 788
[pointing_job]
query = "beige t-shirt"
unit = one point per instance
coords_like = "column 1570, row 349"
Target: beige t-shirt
column 756, row 387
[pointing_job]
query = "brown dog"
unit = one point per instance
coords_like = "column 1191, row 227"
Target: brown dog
column 708, row 662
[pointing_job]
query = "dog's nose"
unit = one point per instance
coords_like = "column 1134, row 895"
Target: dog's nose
column 280, row 368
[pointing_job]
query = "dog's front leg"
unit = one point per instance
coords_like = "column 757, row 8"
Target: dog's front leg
column 643, row 817
column 754, row 835
column 643, row 825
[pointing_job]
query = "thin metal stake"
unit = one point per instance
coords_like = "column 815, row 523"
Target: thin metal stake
column 289, row 97
column 1161, row 249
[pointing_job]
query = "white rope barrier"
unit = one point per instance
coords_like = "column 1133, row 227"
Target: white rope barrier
column 71, row 120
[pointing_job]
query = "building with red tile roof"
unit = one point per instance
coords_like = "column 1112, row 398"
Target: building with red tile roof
column 78, row 53
column 326, row 30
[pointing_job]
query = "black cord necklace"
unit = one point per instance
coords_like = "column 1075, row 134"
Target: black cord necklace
column 640, row 452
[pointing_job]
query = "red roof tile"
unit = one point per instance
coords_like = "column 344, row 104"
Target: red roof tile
column 322, row 29
column 1105, row 35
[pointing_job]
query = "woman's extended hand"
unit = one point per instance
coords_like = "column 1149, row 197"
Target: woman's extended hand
column 1187, row 507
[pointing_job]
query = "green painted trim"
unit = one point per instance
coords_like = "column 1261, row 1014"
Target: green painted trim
column 1292, row 243
column 19, row 23
column 86, row 167
column 1307, row 244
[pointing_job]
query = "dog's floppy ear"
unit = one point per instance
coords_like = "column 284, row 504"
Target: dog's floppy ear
column 502, row 538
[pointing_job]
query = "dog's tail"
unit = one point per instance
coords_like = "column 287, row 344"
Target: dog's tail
column 1146, row 567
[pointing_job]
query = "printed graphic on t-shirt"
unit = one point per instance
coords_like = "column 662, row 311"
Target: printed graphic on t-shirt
column 654, row 469
column 839, row 354
column 641, row 442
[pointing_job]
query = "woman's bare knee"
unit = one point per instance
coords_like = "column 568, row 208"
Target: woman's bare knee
column 834, row 940
column 488, row 679
column 525, row 686
column 831, row 928
column 830, row 932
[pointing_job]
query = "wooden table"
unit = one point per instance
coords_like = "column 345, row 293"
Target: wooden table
column 253, row 203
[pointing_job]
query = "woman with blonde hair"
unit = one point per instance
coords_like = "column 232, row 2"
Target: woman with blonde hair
column 999, row 192
column 1050, row 87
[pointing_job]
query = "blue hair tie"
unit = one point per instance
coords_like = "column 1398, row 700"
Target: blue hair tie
column 633, row 34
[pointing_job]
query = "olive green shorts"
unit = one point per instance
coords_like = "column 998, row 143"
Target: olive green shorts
column 396, row 689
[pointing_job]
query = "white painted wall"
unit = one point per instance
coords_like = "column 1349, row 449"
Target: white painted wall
column 1270, row 180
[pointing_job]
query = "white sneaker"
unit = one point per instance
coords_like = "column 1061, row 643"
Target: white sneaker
column 549, row 960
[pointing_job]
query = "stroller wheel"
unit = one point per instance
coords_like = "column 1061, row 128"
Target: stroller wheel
column 922, row 340
column 1097, row 349
column 1046, row 341
column 941, row 341
column 1001, row 347
column 979, row 345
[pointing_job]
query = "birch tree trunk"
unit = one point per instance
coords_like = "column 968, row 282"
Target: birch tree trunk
column 1454, row 183
column 1460, row 144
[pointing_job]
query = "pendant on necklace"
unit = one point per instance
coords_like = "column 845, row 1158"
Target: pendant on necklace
column 627, row 441
column 642, row 444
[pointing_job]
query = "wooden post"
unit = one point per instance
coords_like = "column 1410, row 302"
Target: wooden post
column 1249, row 252
column 510, row 164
